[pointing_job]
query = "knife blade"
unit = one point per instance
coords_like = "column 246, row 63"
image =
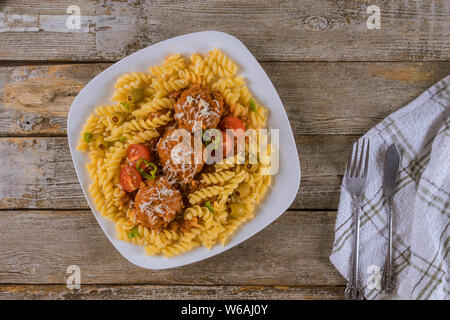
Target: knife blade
column 391, row 166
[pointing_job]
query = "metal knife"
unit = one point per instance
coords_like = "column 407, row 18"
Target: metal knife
column 391, row 168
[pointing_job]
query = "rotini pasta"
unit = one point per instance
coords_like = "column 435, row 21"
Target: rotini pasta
column 111, row 109
column 153, row 105
column 140, row 125
column 216, row 177
column 169, row 85
column 132, row 77
column 204, row 194
column 224, row 61
column 172, row 64
column 164, row 206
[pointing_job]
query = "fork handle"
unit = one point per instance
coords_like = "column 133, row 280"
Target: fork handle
column 353, row 293
column 353, row 285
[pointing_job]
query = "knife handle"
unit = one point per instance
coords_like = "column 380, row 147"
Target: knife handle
column 388, row 279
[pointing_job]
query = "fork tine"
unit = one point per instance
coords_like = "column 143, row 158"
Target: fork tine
column 355, row 158
column 361, row 158
column 367, row 159
column 347, row 170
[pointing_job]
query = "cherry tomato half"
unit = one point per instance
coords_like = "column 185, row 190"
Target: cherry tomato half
column 233, row 123
column 130, row 179
column 137, row 151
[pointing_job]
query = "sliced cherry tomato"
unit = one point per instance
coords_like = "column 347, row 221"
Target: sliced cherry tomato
column 136, row 152
column 233, row 123
column 129, row 178
column 227, row 141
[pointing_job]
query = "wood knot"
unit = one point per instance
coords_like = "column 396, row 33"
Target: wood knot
column 28, row 121
column 317, row 23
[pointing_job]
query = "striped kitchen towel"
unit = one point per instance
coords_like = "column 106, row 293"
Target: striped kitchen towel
column 421, row 203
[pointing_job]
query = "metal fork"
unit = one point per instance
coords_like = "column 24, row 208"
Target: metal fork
column 355, row 181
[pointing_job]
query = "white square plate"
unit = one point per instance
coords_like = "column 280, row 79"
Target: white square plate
column 99, row 91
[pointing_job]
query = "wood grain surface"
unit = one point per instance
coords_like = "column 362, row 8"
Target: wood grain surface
column 38, row 246
column 34, row 101
column 336, row 78
column 320, row 98
column 307, row 30
column 43, row 175
column 164, row 292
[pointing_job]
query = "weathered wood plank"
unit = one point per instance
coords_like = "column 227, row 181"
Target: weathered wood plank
column 38, row 246
column 36, row 101
column 38, row 173
column 160, row 292
column 307, row 30
column 37, row 98
column 32, row 179
column 320, row 98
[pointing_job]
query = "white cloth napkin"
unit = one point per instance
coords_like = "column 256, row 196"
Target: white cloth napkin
column 421, row 203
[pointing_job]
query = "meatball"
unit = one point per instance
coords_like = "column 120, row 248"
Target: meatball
column 198, row 104
column 156, row 204
column 179, row 160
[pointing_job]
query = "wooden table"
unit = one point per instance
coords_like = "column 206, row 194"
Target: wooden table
column 336, row 78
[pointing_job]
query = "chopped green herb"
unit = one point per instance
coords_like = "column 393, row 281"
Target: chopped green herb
column 87, row 136
column 123, row 139
column 126, row 105
column 206, row 136
column 133, row 233
column 252, row 104
column 152, row 174
column 209, row 206
column 210, row 138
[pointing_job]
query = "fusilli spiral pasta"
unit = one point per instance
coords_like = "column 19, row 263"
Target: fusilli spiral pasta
column 204, row 194
column 153, row 105
column 216, row 177
column 224, row 196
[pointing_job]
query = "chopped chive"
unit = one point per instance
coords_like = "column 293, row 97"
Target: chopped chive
column 87, row 136
column 252, row 104
column 133, row 233
column 209, row 206
column 123, row 139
